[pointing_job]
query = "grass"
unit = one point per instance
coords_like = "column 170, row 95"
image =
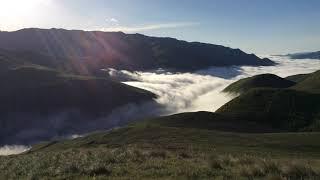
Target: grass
column 298, row 78
column 310, row 84
column 146, row 136
column 135, row 163
column 258, row 81
column 286, row 109
column 149, row 150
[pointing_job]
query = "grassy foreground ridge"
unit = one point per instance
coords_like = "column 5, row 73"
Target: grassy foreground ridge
column 149, row 149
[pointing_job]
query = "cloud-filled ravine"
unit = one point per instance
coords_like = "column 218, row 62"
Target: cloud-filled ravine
column 180, row 92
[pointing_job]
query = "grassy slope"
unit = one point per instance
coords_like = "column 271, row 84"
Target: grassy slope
column 293, row 109
column 151, row 134
column 310, row 84
column 259, row 81
column 297, row 78
column 286, row 109
column 164, row 150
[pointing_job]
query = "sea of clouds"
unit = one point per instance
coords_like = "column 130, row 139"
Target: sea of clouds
column 201, row 90
column 177, row 92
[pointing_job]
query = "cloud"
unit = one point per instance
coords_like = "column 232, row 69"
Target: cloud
column 182, row 92
column 177, row 92
column 113, row 20
column 13, row 149
column 132, row 29
column 201, row 90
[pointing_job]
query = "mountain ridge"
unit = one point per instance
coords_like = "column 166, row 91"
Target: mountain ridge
column 305, row 55
column 95, row 50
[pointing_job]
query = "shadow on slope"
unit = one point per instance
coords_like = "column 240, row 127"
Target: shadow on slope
column 39, row 103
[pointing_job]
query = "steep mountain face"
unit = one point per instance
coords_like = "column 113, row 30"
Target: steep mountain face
column 38, row 103
column 259, row 81
column 88, row 52
column 32, row 89
column 308, row 55
column 296, row 108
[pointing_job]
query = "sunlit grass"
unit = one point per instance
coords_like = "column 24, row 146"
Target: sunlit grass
column 138, row 163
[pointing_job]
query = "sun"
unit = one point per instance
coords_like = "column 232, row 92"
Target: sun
column 17, row 7
column 13, row 12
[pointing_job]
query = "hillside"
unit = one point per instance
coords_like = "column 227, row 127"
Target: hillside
column 289, row 110
column 54, row 103
column 258, row 81
column 247, row 138
column 90, row 51
column 290, row 107
column 311, row 83
column 11, row 59
column 209, row 121
column 297, row 78
column 149, row 150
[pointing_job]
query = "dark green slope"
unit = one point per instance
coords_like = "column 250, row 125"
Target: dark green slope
column 150, row 150
column 182, row 131
column 310, row 84
column 40, row 89
column 286, row 109
column 290, row 104
column 258, row 81
column 297, row 78
column 209, row 121
column 39, row 103
column 30, row 84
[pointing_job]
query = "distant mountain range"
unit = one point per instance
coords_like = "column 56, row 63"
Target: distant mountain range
column 306, row 55
column 89, row 51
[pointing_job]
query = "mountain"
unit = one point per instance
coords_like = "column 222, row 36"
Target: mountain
column 295, row 108
column 258, row 81
column 89, row 51
column 9, row 59
column 307, row 55
column 38, row 103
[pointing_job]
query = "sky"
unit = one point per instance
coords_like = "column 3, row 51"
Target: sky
column 255, row 26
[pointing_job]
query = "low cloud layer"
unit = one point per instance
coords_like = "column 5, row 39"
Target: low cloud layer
column 177, row 92
column 184, row 91
column 201, row 90
column 13, row 149
column 143, row 28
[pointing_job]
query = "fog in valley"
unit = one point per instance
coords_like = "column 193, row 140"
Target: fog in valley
column 176, row 93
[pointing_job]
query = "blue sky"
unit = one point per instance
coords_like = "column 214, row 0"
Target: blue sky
column 257, row 26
